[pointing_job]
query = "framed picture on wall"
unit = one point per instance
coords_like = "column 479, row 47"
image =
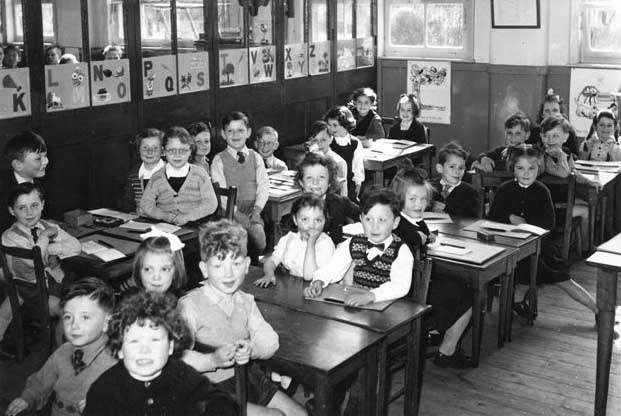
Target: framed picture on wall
column 515, row 14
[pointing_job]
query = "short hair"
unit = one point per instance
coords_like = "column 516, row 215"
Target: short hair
column 551, row 97
column 112, row 48
column 311, row 159
column 518, row 119
column 264, row 130
column 235, row 115
column 92, row 288
column 555, row 121
column 367, row 92
column 198, row 127
column 380, row 196
column 181, row 134
column 148, row 133
column 409, row 175
column 25, row 142
column 219, row 238
column 54, row 46
column 451, row 148
column 308, row 200
column 24, row 188
column 317, row 127
column 159, row 308
column 525, row 151
column 343, row 116
column 160, row 245
column 413, row 100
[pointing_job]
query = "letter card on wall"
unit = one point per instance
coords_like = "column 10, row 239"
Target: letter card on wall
column 15, row 93
column 233, row 67
column 159, row 76
column 110, row 82
column 193, row 72
column 296, row 60
column 66, row 86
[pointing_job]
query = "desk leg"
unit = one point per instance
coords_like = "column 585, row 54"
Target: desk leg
column 381, row 405
column 324, row 398
column 532, row 290
column 509, row 305
column 477, row 320
column 378, row 177
column 413, row 370
column 592, row 214
column 369, row 383
column 607, row 223
column 606, row 304
column 502, row 308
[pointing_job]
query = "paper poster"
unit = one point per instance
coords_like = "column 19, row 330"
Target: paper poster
column 346, row 54
column 365, row 52
column 15, row 93
column 159, row 76
column 233, row 67
column 430, row 81
column 591, row 90
column 193, row 72
column 319, row 58
column 66, row 86
column 262, row 64
column 110, row 82
column 296, row 60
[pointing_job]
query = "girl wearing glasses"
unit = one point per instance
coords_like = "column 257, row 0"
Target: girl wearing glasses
column 149, row 147
column 181, row 192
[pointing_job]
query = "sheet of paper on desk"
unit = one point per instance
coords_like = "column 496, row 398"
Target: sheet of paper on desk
column 105, row 212
column 138, row 226
column 167, row 228
column 599, row 164
column 521, row 231
column 611, row 246
column 337, row 293
column 437, row 218
column 605, row 258
column 446, row 245
column 104, row 253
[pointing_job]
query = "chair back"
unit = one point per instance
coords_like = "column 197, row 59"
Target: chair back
column 227, row 197
column 33, row 255
column 566, row 205
column 420, row 278
column 486, row 184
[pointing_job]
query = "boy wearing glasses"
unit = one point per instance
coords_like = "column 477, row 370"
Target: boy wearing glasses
column 266, row 144
column 180, row 192
column 149, row 146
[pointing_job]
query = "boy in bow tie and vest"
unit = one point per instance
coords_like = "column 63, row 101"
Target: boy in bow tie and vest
column 382, row 262
column 75, row 365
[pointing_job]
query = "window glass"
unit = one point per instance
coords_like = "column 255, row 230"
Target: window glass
column 318, row 21
column 294, row 22
column 261, row 25
column 106, row 29
column 444, row 25
column 363, row 19
column 155, row 27
column 12, row 35
column 65, row 43
column 190, row 25
column 601, row 30
column 231, row 22
column 344, row 19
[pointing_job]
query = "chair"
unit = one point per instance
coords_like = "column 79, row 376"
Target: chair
column 486, row 184
column 33, row 255
column 231, row 199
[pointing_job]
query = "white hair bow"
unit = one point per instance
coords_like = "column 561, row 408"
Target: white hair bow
column 175, row 242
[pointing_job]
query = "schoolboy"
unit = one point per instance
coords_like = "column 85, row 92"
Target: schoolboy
column 144, row 332
column 382, row 263
column 75, row 365
column 26, row 204
column 220, row 315
column 27, row 155
column 266, row 144
column 517, row 131
column 453, row 195
column 244, row 168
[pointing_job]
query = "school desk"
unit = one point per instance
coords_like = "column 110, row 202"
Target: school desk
column 377, row 161
column 401, row 320
column 278, row 205
column 322, row 353
column 608, row 267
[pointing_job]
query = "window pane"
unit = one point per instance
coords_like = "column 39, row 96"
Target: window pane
column 230, row 22
column 106, row 29
column 445, row 25
column 603, row 29
column 344, row 19
column 190, row 25
column 318, row 21
column 47, row 10
column 363, row 18
column 155, row 28
column 13, row 32
column 294, row 22
column 62, row 14
column 406, row 25
column 261, row 26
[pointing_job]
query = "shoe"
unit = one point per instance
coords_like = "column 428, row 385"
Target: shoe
column 310, row 406
column 433, row 340
column 521, row 309
column 458, row 360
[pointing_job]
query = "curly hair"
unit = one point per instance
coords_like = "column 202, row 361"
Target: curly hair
column 308, row 200
column 367, row 92
column 158, row 308
column 343, row 116
column 219, row 238
column 409, row 175
column 311, row 159
column 160, row 245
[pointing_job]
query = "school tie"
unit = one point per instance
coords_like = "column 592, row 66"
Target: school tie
column 446, row 189
column 76, row 361
column 241, row 158
column 35, row 234
column 265, row 162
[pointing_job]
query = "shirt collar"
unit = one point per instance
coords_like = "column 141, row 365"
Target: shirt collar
column 172, row 172
column 92, row 350
column 451, row 186
column 234, row 152
column 38, row 226
column 144, row 173
column 20, row 179
column 344, row 140
column 410, row 218
column 225, row 302
column 522, row 186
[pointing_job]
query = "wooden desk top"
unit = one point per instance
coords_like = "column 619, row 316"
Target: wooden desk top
column 457, row 229
column 372, row 154
column 288, row 293
column 315, row 342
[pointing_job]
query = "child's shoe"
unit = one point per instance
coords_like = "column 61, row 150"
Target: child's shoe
column 458, row 360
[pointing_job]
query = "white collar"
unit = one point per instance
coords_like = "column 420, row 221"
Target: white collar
column 38, row 226
column 344, row 140
column 172, row 172
column 411, row 219
column 234, row 152
column 451, row 186
column 522, row 186
column 144, row 173
column 20, row 179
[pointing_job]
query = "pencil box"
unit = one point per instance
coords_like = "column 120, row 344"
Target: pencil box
column 484, row 236
column 106, row 221
column 78, row 218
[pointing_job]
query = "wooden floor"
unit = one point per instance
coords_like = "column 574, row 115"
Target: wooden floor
column 548, row 369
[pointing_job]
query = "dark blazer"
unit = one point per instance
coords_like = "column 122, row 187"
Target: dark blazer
column 416, row 132
column 339, row 209
column 463, row 201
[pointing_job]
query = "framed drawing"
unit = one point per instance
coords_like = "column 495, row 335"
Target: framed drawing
column 515, row 14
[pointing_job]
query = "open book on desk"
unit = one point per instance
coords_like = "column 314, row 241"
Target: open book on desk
column 464, row 250
column 521, row 231
column 611, row 246
column 337, row 293
column 107, row 248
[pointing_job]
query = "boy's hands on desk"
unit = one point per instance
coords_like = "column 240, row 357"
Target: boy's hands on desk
column 17, row 406
column 516, row 219
column 265, row 281
column 314, row 289
column 360, row 299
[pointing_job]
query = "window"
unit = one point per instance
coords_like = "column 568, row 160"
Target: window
column 190, row 25
column 155, row 25
column 600, row 34
column 230, row 22
column 106, row 29
column 318, row 21
column 429, row 28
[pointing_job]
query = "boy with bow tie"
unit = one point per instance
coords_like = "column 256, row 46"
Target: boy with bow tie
column 75, row 365
column 382, row 263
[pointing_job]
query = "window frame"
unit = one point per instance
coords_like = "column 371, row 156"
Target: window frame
column 461, row 54
column 587, row 54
